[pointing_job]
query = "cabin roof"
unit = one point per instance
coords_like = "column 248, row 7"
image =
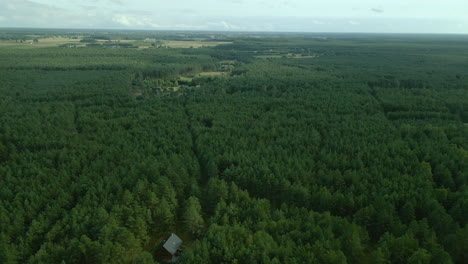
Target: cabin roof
column 172, row 243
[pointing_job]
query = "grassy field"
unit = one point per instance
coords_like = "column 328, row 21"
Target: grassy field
column 57, row 41
column 44, row 42
column 210, row 74
column 185, row 79
column 203, row 74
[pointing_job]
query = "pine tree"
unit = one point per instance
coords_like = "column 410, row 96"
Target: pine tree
column 193, row 219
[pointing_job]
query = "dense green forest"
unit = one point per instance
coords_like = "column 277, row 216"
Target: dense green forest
column 272, row 148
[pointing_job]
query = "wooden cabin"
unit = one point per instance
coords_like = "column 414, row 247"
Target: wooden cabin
column 169, row 249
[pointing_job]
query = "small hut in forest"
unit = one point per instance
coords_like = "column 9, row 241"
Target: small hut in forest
column 169, row 249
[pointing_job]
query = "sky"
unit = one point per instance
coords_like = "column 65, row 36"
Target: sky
column 378, row 16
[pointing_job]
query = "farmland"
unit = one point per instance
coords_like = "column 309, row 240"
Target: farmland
column 35, row 41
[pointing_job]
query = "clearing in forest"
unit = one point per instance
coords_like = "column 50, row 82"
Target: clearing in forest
column 212, row 74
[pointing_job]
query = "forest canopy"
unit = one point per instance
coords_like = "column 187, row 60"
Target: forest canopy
column 267, row 148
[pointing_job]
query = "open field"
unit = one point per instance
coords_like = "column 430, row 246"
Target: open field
column 185, row 79
column 209, row 74
column 190, row 78
column 44, row 42
column 57, row 41
column 50, row 42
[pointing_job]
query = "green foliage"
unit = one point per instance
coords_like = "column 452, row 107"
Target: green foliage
column 343, row 149
column 192, row 217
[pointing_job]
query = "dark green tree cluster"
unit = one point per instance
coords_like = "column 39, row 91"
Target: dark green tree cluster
column 336, row 149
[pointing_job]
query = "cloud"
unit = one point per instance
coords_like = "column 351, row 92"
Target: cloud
column 88, row 8
column 186, row 27
column 236, row 1
column 118, row 2
column 25, row 11
column 134, row 21
column 225, row 15
column 377, row 10
column 229, row 26
column 186, row 11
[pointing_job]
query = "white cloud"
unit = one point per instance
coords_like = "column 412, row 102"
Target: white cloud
column 377, row 10
column 118, row 2
column 134, row 21
column 10, row 7
column 187, row 27
column 229, row 26
column 241, row 15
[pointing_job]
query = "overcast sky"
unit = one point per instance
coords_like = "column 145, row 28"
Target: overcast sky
column 405, row 16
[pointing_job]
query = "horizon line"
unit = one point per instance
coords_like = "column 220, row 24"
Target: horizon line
column 237, row 31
